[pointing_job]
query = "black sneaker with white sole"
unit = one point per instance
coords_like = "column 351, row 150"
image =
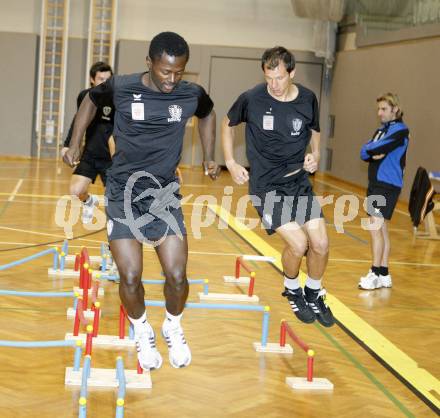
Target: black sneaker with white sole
column 316, row 301
column 299, row 305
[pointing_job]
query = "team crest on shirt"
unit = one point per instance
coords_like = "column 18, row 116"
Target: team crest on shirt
column 175, row 113
column 296, row 125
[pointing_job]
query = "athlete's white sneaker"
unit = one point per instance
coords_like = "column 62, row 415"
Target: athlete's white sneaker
column 148, row 356
column 370, row 282
column 386, row 281
column 179, row 352
column 88, row 208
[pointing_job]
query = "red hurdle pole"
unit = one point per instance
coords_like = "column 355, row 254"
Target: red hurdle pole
column 89, row 339
column 97, row 306
column 85, row 296
column 283, row 333
column 77, row 317
column 81, row 274
column 121, row 322
column 90, row 277
column 77, row 262
column 237, row 267
column 140, row 370
column 251, row 284
column 310, row 357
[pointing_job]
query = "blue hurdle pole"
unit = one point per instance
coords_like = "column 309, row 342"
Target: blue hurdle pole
column 65, row 247
column 37, row 294
column 104, row 263
column 131, row 331
column 121, row 389
column 55, row 258
column 77, row 357
column 62, row 260
column 265, row 326
column 83, row 391
column 37, row 344
column 30, row 258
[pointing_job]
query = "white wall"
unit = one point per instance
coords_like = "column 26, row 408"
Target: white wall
column 245, row 23
column 248, row 23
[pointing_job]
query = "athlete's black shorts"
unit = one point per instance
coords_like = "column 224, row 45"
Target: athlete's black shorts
column 381, row 201
column 290, row 200
column 90, row 168
column 148, row 220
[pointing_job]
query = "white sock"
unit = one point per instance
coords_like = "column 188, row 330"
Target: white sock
column 172, row 321
column 139, row 324
column 314, row 284
column 291, row 284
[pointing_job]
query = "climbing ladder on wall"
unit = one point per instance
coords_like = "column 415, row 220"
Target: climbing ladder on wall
column 52, row 77
column 102, row 33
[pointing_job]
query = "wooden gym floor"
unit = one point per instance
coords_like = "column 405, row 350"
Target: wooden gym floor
column 227, row 378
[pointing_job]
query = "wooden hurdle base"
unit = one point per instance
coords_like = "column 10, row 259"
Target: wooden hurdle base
column 102, row 340
column 273, row 348
column 69, row 273
column 95, row 259
column 233, row 279
column 301, row 383
column 79, row 291
column 228, row 297
column 106, row 378
column 89, row 314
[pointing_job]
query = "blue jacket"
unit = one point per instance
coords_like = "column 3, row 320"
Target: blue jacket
column 392, row 140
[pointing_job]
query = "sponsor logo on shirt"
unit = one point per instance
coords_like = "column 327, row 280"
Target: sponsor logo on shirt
column 175, row 113
column 106, row 110
column 296, row 125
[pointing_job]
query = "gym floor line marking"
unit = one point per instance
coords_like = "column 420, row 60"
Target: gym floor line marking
column 401, row 263
column 366, row 372
column 148, row 249
column 353, row 193
column 14, row 192
column 418, row 379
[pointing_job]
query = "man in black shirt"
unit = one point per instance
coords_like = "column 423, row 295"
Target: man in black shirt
column 281, row 119
column 152, row 109
column 95, row 158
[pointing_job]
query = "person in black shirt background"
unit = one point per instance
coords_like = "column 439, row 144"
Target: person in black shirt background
column 282, row 118
column 152, row 109
column 96, row 155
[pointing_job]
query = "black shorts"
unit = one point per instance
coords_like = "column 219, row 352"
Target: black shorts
column 381, row 201
column 148, row 220
column 90, row 168
column 292, row 200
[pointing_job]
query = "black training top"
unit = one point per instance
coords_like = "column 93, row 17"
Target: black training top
column 149, row 126
column 277, row 133
column 98, row 132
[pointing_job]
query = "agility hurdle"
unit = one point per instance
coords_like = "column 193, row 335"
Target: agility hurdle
column 239, row 262
column 218, row 306
column 301, row 383
column 237, row 279
column 53, row 251
column 106, row 378
column 204, row 282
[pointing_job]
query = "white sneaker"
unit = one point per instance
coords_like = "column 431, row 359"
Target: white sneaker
column 179, row 352
column 148, row 356
column 386, row 280
column 88, row 208
column 370, row 282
